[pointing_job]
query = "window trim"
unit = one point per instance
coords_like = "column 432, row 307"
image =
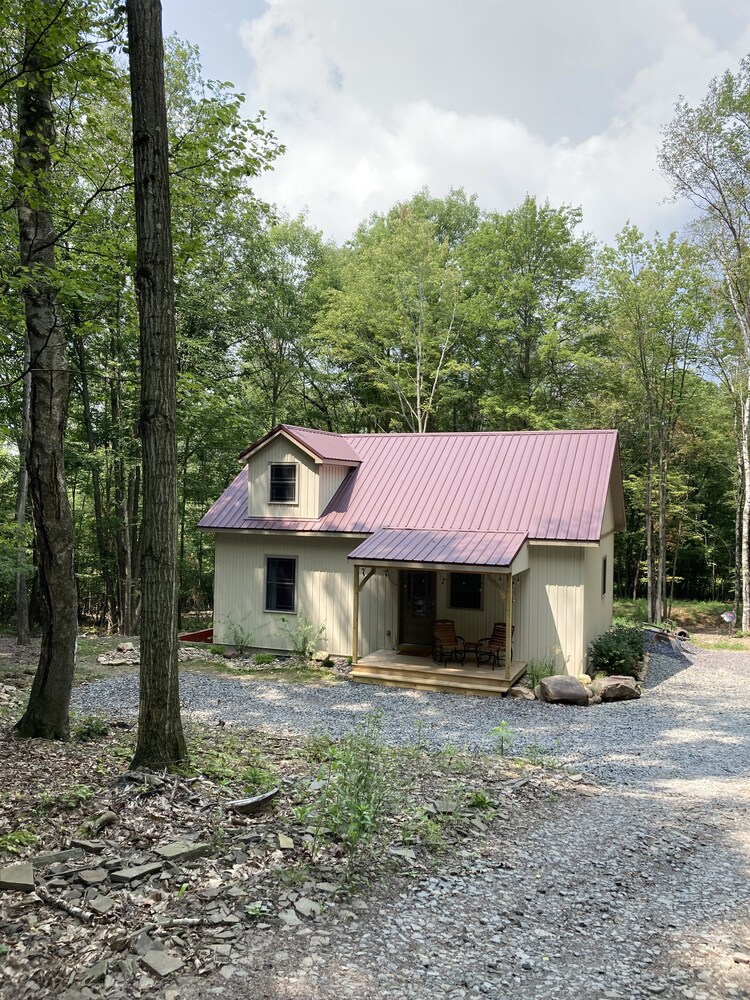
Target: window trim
column 280, row 611
column 283, row 503
column 452, row 606
column 604, row 576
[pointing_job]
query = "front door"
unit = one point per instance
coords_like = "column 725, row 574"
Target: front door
column 416, row 607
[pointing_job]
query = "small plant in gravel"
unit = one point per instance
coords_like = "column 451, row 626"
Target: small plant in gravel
column 454, row 759
column 67, row 798
column 480, row 799
column 242, row 636
column 503, row 737
column 217, row 649
column 354, row 787
column 618, row 651
column 262, row 659
column 15, row 841
column 539, row 756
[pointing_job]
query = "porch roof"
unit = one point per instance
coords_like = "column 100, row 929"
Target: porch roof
column 495, row 549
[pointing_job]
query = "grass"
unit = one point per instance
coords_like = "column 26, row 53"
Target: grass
column 690, row 615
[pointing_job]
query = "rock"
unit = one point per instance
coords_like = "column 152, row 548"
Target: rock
column 285, row 843
column 95, row 973
column 160, row 963
column 103, row 819
column 90, row 846
column 180, row 851
column 18, row 878
column 139, row 871
column 290, row 918
column 142, row 778
column 101, row 904
column 616, row 688
column 93, row 876
column 741, row 958
column 230, row 653
column 595, row 700
column 144, row 944
column 125, row 647
column 42, row 860
column 563, row 689
column 521, row 692
column 254, row 804
column 307, row 907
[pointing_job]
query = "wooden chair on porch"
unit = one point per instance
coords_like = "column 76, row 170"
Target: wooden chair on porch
column 493, row 647
column 446, row 645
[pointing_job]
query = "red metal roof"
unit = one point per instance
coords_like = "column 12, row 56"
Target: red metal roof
column 324, row 445
column 548, row 485
column 463, row 548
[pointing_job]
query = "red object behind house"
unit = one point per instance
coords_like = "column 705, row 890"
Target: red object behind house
column 202, row 635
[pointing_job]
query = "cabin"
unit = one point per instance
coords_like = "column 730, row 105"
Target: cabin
column 375, row 537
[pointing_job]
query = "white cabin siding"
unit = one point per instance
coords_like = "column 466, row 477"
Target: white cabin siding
column 598, row 608
column 554, row 598
column 259, row 482
column 330, row 477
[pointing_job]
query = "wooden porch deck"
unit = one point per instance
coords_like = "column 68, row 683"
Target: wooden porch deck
column 388, row 666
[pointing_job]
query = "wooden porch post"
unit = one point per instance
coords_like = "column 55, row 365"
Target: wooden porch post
column 355, row 622
column 508, row 623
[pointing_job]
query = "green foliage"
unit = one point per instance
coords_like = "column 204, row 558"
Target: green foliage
column 302, row 633
column 228, row 761
column 537, row 670
column 261, row 659
column 15, row 841
column 503, row 738
column 242, row 636
column 66, row 798
column 481, row 799
column 618, row 651
column 90, row 729
column 354, row 787
column 217, row 649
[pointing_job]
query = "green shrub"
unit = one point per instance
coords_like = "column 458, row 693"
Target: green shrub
column 90, row 729
column 618, row 651
column 537, row 670
column 261, row 659
column 303, row 634
column 217, row 649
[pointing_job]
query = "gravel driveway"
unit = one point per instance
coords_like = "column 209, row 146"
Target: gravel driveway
column 633, row 887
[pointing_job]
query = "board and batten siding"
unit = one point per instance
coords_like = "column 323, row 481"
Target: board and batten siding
column 325, row 588
column 316, row 483
column 552, row 596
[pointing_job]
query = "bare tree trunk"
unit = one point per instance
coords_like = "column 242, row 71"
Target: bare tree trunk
column 47, row 713
column 738, row 521
column 648, row 516
column 746, row 516
column 23, row 637
column 160, row 738
column 661, row 566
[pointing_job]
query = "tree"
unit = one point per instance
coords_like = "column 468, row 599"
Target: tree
column 161, row 742
column 47, row 713
column 659, row 306
column 706, row 156
column 530, row 312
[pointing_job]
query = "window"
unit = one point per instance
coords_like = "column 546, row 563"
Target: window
column 466, row 591
column 283, row 483
column 604, row 576
column 281, row 575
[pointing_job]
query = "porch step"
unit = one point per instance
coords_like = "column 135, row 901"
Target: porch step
column 455, row 682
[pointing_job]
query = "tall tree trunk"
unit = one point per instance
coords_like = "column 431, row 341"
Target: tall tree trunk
column 661, row 568
column 47, row 713
column 23, row 637
column 160, row 738
column 738, row 520
column 746, row 515
column 648, row 517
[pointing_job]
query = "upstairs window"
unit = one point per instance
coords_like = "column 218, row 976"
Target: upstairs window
column 281, row 579
column 283, row 483
column 604, row 576
column 466, row 591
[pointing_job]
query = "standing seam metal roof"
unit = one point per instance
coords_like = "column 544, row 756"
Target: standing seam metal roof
column 549, row 485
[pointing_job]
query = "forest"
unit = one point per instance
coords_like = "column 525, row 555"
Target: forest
column 437, row 314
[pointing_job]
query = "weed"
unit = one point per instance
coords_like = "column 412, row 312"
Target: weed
column 17, row 840
column 217, row 649
column 317, row 746
column 454, row 759
column 353, row 787
column 303, row 634
column 68, row 798
column 479, row 799
column 261, row 659
column 90, row 729
column 242, row 636
column 540, row 756
column 503, row 737
column 537, row 670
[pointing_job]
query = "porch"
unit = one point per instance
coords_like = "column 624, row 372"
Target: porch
column 396, row 669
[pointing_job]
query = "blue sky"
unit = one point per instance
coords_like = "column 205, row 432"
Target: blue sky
column 564, row 101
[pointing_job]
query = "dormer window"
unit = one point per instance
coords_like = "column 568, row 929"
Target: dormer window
column 283, row 483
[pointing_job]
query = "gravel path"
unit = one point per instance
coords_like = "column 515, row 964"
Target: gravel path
column 692, row 722
column 633, row 886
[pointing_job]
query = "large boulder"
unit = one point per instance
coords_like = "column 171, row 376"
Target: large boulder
column 616, row 688
column 562, row 689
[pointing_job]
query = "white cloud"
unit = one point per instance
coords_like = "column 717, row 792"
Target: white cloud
column 559, row 100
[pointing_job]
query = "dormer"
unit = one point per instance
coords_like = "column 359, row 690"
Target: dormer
column 293, row 472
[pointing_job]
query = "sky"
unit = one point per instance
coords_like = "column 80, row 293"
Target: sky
column 561, row 100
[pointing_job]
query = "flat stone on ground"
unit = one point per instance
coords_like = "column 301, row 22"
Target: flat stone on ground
column 181, row 851
column 18, row 877
column 55, row 857
column 101, row 904
column 140, row 871
column 160, row 963
column 93, row 876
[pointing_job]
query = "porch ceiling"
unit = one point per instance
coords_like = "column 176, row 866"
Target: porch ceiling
column 482, row 551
